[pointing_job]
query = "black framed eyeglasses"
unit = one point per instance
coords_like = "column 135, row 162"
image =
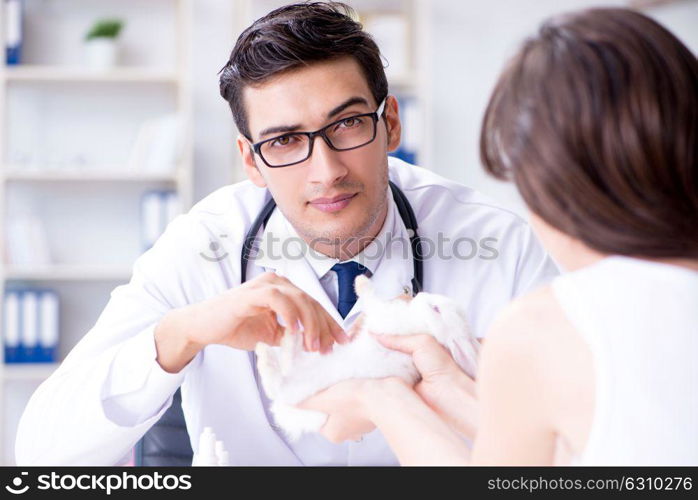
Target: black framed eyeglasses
column 346, row 134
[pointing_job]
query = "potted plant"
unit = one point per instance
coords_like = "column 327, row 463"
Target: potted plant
column 101, row 43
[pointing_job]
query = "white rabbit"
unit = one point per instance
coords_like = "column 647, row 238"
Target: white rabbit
column 289, row 374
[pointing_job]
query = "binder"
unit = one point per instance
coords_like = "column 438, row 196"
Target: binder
column 13, row 32
column 31, row 326
column 29, row 335
column 48, row 326
column 152, row 218
column 172, row 206
column 12, row 326
column 158, row 208
column 409, row 115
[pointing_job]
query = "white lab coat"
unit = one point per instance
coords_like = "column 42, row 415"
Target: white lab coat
column 110, row 390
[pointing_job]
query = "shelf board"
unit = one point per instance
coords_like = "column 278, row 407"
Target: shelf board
column 406, row 81
column 84, row 175
column 28, row 371
column 29, row 73
column 62, row 272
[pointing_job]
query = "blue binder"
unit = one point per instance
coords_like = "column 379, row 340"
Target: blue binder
column 31, row 326
column 13, row 31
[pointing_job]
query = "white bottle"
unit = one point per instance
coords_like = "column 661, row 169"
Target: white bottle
column 222, row 456
column 206, row 455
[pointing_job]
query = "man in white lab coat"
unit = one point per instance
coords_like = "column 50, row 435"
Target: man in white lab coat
column 310, row 99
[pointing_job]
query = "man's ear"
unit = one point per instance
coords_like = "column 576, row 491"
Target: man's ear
column 248, row 162
column 392, row 120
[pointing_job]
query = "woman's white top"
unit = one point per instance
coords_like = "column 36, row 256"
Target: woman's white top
column 640, row 319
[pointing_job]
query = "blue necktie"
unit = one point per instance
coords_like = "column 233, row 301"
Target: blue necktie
column 347, row 273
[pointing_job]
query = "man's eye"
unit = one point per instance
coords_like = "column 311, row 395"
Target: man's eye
column 350, row 122
column 282, row 141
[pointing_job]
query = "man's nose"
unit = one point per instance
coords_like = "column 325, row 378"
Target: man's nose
column 326, row 166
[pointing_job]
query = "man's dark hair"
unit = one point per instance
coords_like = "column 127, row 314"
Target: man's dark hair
column 596, row 121
column 294, row 36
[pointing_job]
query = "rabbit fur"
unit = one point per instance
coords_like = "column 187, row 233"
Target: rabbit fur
column 289, row 374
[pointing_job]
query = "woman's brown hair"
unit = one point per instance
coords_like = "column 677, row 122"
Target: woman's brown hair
column 596, row 121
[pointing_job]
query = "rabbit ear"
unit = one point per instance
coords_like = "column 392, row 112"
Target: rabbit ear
column 362, row 285
column 464, row 350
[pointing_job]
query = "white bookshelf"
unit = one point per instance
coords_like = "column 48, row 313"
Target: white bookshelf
column 105, row 187
column 78, row 74
column 29, row 371
column 101, row 174
column 68, row 273
column 77, row 200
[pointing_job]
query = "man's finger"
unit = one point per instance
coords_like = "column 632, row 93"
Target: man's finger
column 310, row 320
column 283, row 307
column 338, row 333
column 331, row 431
column 327, row 338
column 315, row 402
column 330, row 335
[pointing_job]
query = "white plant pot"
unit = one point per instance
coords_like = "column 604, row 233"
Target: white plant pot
column 101, row 53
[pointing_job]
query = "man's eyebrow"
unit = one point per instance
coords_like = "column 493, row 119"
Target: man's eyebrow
column 279, row 129
column 282, row 129
column 349, row 102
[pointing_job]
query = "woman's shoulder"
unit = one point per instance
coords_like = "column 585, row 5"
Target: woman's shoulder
column 531, row 318
column 534, row 327
column 546, row 358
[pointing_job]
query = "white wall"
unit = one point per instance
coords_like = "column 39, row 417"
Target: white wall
column 472, row 41
column 214, row 131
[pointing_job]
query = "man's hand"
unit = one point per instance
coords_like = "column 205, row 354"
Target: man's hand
column 347, row 407
column 243, row 316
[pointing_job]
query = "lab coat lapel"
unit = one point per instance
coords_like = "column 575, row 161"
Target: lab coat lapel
column 301, row 274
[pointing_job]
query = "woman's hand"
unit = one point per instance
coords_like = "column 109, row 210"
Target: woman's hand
column 444, row 386
column 416, row 434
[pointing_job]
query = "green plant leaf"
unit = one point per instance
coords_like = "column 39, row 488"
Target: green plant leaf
column 105, row 28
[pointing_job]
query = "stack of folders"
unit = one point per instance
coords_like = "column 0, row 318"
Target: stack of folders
column 158, row 208
column 30, row 329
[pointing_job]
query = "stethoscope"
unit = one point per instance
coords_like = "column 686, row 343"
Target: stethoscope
column 406, row 213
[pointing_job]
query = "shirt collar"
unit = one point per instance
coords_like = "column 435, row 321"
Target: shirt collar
column 370, row 257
